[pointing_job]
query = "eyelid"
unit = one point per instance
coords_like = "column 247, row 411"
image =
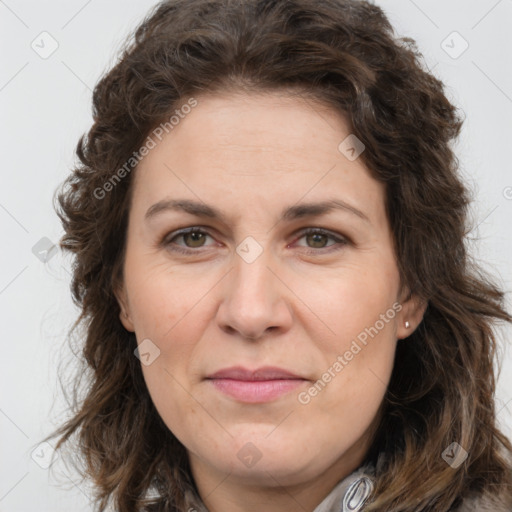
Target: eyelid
column 314, row 230
column 166, row 240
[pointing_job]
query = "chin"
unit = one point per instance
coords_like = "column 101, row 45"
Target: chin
column 268, row 459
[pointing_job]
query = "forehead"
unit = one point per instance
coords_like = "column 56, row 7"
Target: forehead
column 263, row 148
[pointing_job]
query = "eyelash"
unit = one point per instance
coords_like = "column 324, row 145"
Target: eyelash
column 167, row 240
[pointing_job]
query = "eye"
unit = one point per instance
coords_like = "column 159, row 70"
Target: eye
column 317, row 238
column 192, row 237
column 195, row 238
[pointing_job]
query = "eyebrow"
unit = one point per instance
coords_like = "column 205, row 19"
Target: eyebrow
column 290, row 213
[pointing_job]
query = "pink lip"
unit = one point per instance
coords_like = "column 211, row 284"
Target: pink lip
column 253, row 386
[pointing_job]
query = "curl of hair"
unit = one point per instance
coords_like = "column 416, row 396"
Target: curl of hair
column 342, row 53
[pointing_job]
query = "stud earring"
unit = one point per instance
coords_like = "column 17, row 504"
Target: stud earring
column 407, row 324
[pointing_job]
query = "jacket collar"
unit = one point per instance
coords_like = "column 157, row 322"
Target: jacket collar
column 351, row 493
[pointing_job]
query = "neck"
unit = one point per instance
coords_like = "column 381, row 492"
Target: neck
column 234, row 493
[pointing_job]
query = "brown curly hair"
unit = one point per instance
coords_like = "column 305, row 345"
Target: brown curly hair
column 345, row 54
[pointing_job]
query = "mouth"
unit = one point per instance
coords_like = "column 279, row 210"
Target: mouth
column 255, row 386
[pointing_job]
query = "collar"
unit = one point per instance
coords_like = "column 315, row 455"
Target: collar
column 349, row 495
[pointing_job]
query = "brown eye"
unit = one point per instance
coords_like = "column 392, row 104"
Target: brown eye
column 194, row 239
column 319, row 239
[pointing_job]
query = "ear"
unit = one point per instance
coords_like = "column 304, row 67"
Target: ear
column 413, row 309
column 124, row 314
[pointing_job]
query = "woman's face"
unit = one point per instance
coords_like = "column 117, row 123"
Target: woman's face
column 250, row 289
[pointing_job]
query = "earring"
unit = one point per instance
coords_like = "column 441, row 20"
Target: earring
column 407, row 324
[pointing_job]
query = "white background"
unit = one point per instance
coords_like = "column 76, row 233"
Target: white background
column 46, row 105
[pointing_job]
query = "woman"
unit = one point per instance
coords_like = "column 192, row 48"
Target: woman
column 268, row 229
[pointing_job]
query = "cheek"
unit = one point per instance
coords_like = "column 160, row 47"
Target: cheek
column 161, row 299
column 351, row 302
column 358, row 353
column 171, row 309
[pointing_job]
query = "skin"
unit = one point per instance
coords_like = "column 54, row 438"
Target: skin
column 297, row 306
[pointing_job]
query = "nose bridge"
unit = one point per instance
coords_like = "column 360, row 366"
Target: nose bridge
column 251, row 279
column 254, row 299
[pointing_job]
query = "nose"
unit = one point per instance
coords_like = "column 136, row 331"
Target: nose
column 255, row 300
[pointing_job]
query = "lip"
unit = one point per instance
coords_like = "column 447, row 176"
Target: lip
column 255, row 386
column 263, row 373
